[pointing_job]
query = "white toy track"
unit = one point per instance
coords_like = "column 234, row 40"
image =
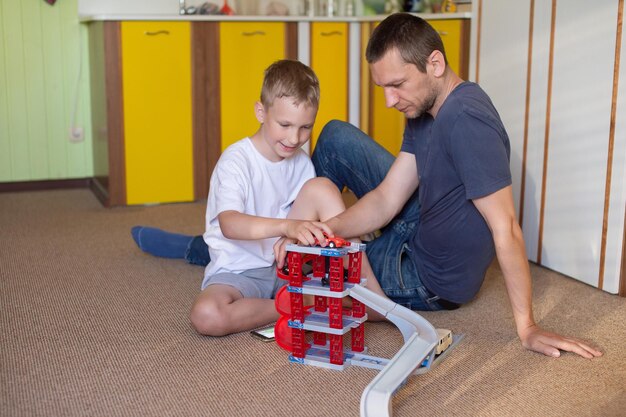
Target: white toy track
column 420, row 341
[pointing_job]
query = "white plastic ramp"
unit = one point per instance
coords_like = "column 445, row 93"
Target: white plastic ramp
column 409, row 322
column 420, row 339
column 376, row 398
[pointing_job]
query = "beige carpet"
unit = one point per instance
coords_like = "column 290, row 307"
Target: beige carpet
column 91, row 326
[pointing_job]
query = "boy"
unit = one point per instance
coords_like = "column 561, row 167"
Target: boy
column 258, row 189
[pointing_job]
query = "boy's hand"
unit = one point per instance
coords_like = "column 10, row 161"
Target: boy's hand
column 308, row 232
column 300, row 231
column 280, row 252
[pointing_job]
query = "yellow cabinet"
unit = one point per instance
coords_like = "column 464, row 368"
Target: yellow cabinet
column 246, row 50
column 387, row 125
column 157, row 114
column 455, row 41
column 329, row 60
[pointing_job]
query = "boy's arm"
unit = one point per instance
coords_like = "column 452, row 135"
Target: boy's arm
column 239, row 226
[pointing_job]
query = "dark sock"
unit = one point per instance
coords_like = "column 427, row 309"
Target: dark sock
column 160, row 243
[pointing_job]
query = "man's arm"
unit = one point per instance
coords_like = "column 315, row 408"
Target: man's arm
column 498, row 211
column 379, row 206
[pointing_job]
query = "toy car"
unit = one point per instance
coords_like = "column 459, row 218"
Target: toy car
column 445, row 340
column 326, row 279
column 334, row 242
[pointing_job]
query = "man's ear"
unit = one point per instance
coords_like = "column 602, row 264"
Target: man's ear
column 438, row 63
column 259, row 112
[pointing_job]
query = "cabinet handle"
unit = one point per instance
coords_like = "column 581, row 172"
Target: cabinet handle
column 158, row 32
column 442, row 33
column 256, row 32
column 333, row 33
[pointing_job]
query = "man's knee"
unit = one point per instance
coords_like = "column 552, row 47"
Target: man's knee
column 333, row 130
column 331, row 141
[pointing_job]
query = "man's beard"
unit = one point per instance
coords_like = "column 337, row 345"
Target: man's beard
column 427, row 104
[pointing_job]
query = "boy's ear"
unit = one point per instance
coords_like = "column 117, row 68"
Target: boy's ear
column 259, row 112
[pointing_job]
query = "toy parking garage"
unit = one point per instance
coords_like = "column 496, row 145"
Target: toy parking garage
column 329, row 319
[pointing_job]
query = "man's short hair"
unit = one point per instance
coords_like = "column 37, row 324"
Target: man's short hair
column 289, row 78
column 412, row 36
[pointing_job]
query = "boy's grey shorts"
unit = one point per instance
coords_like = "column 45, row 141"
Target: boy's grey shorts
column 253, row 283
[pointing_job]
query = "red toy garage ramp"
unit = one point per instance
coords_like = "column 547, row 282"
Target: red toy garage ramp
column 282, row 333
column 282, row 301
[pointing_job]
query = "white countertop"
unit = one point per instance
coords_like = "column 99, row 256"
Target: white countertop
column 241, row 18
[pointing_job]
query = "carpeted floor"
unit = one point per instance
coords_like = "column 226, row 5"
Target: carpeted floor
column 91, row 326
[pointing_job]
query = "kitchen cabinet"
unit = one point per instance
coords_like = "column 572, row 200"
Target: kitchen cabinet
column 168, row 97
column 455, row 36
column 329, row 60
column 246, row 49
column 156, row 73
column 141, row 105
column 386, row 125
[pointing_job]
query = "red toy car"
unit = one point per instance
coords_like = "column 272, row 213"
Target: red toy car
column 335, row 242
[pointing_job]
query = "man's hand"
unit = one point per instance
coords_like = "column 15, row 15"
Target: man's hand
column 550, row 344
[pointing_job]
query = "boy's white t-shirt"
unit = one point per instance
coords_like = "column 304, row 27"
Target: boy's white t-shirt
column 245, row 181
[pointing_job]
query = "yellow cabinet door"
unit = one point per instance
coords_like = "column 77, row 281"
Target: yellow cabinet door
column 329, row 60
column 387, row 125
column 450, row 32
column 246, row 50
column 156, row 74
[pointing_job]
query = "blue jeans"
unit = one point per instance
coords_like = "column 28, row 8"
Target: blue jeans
column 350, row 158
column 197, row 252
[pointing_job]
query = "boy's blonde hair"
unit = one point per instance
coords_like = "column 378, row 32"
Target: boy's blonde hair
column 289, row 78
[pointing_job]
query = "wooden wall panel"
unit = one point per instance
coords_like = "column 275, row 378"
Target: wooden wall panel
column 614, row 273
column 5, row 158
column 572, row 174
column 536, row 112
column 41, row 63
column 502, row 53
column 206, row 99
column 16, row 104
column 578, row 139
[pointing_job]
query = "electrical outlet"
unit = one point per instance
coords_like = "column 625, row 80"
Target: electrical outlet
column 77, row 134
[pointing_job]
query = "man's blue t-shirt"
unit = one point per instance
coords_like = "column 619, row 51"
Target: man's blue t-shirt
column 462, row 154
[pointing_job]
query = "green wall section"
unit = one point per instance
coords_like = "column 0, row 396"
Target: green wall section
column 44, row 76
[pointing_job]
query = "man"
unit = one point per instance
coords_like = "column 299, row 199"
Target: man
column 444, row 205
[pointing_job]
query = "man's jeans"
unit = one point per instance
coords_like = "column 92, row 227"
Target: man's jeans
column 197, row 252
column 350, row 158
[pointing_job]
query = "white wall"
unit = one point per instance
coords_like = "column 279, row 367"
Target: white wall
column 169, row 7
column 570, row 120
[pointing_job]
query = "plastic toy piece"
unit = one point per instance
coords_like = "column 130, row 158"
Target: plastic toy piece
column 376, row 398
column 334, row 242
column 420, row 339
column 445, row 340
column 330, row 321
column 337, row 242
